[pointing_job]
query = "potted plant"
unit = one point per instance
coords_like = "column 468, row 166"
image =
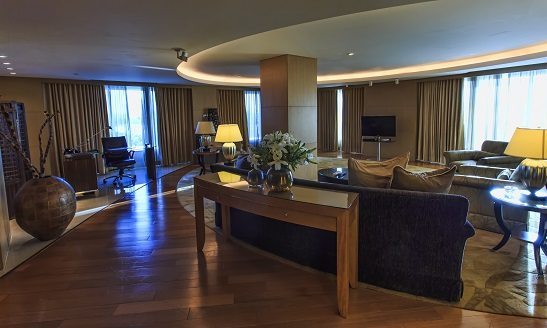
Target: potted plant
column 281, row 152
column 44, row 205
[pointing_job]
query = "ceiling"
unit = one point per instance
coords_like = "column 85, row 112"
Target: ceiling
column 131, row 41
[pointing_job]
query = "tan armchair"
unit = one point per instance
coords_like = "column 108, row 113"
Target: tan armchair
column 491, row 154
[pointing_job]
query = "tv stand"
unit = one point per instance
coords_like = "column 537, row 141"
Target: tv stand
column 379, row 140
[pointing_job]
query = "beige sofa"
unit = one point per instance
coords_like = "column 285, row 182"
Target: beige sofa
column 475, row 183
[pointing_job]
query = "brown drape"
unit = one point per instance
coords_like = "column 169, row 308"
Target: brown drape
column 175, row 124
column 231, row 110
column 440, row 125
column 327, row 136
column 352, row 110
column 81, row 114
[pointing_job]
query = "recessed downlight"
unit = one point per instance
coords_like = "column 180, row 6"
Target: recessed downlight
column 9, row 68
column 6, row 63
column 350, row 53
column 3, row 56
column 12, row 73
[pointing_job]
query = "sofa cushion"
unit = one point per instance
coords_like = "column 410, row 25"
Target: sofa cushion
column 438, row 181
column 374, row 174
column 505, row 174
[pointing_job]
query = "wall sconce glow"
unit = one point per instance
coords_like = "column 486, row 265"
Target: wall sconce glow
column 188, row 72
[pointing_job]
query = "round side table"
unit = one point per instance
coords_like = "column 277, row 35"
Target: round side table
column 503, row 198
column 203, row 155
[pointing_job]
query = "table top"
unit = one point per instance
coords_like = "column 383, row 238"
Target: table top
column 205, row 153
column 315, row 196
column 515, row 198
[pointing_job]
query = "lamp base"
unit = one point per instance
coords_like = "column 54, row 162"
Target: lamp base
column 229, row 151
column 205, row 141
column 533, row 173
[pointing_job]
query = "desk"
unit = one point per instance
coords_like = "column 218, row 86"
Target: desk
column 317, row 208
column 80, row 171
column 203, row 155
column 501, row 198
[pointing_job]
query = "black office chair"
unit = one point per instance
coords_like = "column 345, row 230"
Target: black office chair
column 116, row 154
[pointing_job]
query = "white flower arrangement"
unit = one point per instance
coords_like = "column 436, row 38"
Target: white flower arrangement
column 280, row 149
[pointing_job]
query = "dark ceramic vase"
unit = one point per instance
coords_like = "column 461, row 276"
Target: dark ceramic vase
column 44, row 207
column 279, row 180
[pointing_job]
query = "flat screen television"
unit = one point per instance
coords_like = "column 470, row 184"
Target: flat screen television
column 378, row 126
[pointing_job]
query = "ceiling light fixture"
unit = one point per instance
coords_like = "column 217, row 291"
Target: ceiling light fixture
column 3, row 56
column 9, row 68
column 6, row 63
column 369, row 83
column 350, row 53
column 397, row 81
column 12, row 73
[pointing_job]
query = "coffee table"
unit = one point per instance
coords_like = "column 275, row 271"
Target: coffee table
column 333, row 175
column 514, row 198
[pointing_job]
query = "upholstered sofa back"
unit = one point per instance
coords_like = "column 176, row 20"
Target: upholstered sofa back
column 408, row 241
column 494, row 146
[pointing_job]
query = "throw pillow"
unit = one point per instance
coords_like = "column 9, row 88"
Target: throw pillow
column 374, row 174
column 505, row 174
column 438, row 181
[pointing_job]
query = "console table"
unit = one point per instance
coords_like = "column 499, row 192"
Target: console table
column 335, row 211
column 514, row 199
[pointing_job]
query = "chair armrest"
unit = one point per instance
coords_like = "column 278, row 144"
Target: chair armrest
column 482, row 182
column 499, row 160
column 131, row 153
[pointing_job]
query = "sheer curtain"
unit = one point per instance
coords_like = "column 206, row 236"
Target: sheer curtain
column 132, row 113
column 252, row 107
column 495, row 105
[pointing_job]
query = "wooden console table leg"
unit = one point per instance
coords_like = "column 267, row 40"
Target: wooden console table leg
column 225, row 210
column 353, row 247
column 342, row 269
column 200, row 220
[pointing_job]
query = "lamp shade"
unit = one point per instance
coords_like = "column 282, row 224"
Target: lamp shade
column 205, row 127
column 528, row 143
column 228, row 133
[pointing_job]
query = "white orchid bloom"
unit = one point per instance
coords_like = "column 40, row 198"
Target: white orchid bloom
column 277, row 164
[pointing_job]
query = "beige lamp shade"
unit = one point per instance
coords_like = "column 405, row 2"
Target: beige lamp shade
column 228, row 133
column 528, row 143
column 205, row 127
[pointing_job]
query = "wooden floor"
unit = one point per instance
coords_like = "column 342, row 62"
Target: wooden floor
column 136, row 265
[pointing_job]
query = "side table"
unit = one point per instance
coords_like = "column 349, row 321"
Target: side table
column 502, row 198
column 202, row 158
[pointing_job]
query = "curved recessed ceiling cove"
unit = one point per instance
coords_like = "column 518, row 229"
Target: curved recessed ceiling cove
column 417, row 40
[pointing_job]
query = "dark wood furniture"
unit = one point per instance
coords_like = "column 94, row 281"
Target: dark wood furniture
column 512, row 198
column 117, row 154
column 206, row 157
column 322, row 209
column 333, row 175
column 15, row 172
column 80, row 171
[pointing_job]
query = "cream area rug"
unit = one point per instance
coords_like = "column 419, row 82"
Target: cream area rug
column 503, row 282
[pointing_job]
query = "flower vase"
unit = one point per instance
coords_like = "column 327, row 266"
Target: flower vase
column 279, row 180
column 255, row 178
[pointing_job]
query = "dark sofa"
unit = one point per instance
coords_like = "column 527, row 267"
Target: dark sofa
column 408, row 241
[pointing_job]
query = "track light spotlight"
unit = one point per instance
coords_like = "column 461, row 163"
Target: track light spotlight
column 181, row 54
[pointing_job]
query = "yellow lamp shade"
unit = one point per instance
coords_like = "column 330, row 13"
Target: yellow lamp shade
column 528, row 143
column 205, row 127
column 228, row 133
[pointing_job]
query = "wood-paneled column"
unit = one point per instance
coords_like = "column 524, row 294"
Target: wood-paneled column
column 288, row 89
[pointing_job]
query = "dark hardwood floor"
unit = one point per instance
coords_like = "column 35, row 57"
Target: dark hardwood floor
column 136, row 265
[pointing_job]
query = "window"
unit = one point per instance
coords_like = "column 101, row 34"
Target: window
column 494, row 106
column 252, row 107
column 132, row 113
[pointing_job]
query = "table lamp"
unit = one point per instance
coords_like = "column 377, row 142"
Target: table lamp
column 532, row 145
column 228, row 134
column 205, row 129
